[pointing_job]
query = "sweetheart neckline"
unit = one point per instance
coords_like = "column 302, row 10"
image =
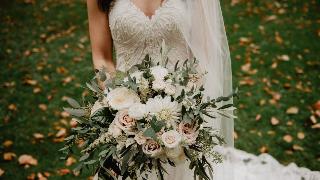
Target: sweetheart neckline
column 149, row 18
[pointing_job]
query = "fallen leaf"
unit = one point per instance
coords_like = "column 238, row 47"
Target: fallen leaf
column 292, row 110
column 284, row 57
column 12, row 107
column 43, row 107
column 62, row 172
column 61, row 133
column 316, row 126
column 263, row 149
column 65, row 114
column 32, row 176
column 7, row 143
column 9, row 156
column 288, row 138
column 300, row 135
column 38, row 136
column 70, row 161
column 258, row 117
column 41, row 176
column 297, row 147
column 278, row 38
column 74, row 122
column 313, row 119
column 274, row 121
column 1, row 172
column 27, row 160
column 316, row 105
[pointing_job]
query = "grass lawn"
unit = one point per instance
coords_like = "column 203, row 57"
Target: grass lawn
column 45, row 56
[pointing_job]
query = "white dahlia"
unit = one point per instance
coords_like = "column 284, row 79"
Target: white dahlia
column 164, row 109
column 122, row 98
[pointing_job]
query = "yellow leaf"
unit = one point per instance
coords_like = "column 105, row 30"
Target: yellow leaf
column 27, row 160
column 9, row 156
column 292, row 110
column 288, row 138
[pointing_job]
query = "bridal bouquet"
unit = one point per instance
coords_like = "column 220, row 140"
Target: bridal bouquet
column 146, row 119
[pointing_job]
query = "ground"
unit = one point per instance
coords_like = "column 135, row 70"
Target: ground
column 45, row 56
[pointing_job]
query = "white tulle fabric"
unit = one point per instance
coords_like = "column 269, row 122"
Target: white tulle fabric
column 135, row 35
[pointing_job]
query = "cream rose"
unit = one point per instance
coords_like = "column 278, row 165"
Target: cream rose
column 188, row 132
column 151, row 148
column 124, row 122
column 171, row 139
column 122, row 98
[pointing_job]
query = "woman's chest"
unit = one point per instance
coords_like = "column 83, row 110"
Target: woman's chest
column 126, row 20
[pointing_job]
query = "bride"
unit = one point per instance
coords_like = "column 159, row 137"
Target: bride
column 190, row 28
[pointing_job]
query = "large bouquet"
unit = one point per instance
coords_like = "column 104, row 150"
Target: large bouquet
column 148, row 118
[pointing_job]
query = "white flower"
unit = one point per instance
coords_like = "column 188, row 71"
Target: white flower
column 114, row 130
column 138, row 111
column 124, row 122
column 170, row 89
column 140, row 138
column 171, row 139
column 159, row 72
column 189, row 132
column 122, row 98
column 163, row 108
column 159, row 85
column 151, row 148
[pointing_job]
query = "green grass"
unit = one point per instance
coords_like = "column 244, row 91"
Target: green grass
column 48, row 42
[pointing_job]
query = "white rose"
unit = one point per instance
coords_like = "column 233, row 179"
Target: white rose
column 171, row 139
column 170, row 89
column 137, row 111
column 159, row 72
column 158, row 85
column 151, row 148
column 188, row 132
column 124, row 121
column 140, row 138
column 114, row 130
column 122, row 98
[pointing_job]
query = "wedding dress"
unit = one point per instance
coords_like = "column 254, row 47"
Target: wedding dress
column 135, row 35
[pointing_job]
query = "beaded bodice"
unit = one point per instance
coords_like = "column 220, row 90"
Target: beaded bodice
column 135, row 34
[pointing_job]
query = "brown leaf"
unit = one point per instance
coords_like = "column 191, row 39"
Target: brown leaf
column 62, row 172
column 36, row 90
column 300, row 135
column 70, row 161
column 258, row 117
column 38, row 136
column 263, row 149
column 61, row 133
column 274, row 121
column 1, row 172
column 43, row 107
column 7, row 143
column 41, row 176
column 271, row 18
column 27, row 160
column 316, row 126
column 31, row 82
column 292, row 110
column 12, row 107
column 9, row 156
column 297, row 147
column 278, row 38
column 316, row 105
column 288, row 138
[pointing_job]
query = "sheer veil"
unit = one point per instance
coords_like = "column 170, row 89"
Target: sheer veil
column 205, row 34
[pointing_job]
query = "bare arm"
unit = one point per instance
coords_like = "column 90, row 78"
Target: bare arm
column 100, row 37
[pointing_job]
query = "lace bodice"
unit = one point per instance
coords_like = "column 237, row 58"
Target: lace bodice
column 135, row 34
